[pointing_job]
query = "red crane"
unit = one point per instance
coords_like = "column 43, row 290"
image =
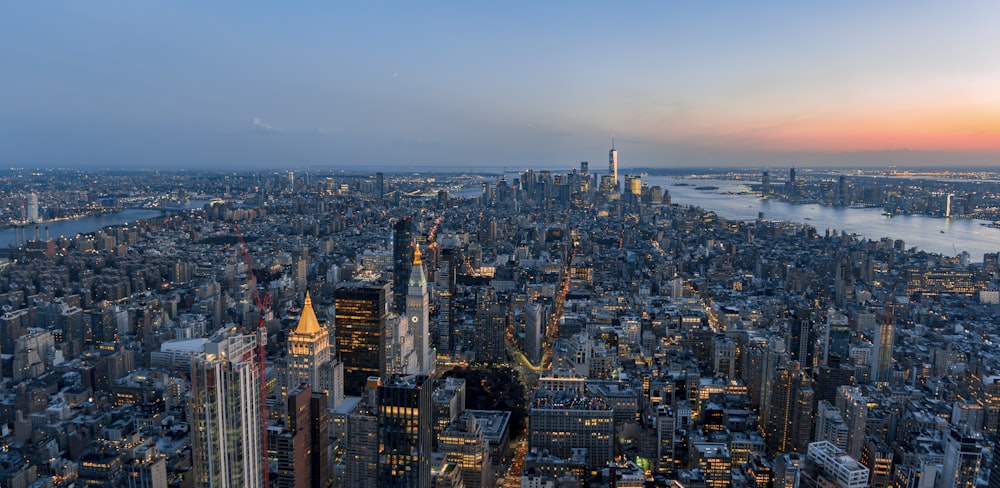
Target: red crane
column 261, row 350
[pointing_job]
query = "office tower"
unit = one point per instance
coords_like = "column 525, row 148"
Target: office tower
column 402, row 257
column 830, row 425
column 585, row 168
column 562, row 421
column 791, row 176
column 613, row 165
column 760, row 471
column 842, row 196
column 225, row 413
column 789, row 425
column 310, row 358
column 838, row 336
column 463, row 443
column 765, row 183
column 491, row 329
column 360, row 459
column 832, row 376
column 448, row 402
column 800, row 345
column 533, row 332
column 665, row 425
column 787, row 468
column 962, row 456
column 882, row 364
column 853, row 408
column 877, row 457
column 33, row 208
column 404, row 432
column 360, row 322
column 417, row 309
column 715, row 462
column 444, row 287
column 633, row 188
column 301, row 448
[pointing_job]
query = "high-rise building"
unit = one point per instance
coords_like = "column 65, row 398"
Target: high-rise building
column 853, row 408
column 33, row 208
column 877, row 457
column 402, row 257
column 360, row 321
column 310, row 358
column 789, row 421
column 765, row 183
column 360, row 460
column 533, row 332
column 463, row 443
column 665, row 426
column 882, row 364
column 491, row 329
column 613, row 165
column 301, row 448
column 562, row 421
column 405, row 416
column 962, row 455
column 417, row 315
column 225, row 413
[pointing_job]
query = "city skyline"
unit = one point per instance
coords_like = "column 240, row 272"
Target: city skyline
column 449, row 85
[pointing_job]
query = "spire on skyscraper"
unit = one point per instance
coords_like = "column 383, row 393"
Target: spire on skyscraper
column 308, row 324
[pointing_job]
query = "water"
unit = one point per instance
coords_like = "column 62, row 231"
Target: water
column 933, row 234
column 85, row 225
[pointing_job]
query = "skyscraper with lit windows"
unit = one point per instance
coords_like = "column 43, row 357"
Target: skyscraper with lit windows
column 225, row 413
column 613, row 164
column 405, row 420
column 310, row 358
column 360, row 320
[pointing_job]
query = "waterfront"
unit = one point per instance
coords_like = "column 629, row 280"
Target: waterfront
column 734, row 201
column 82, row 225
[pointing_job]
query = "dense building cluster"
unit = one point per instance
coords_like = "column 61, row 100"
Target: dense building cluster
column 659, row 345
column 965, row 194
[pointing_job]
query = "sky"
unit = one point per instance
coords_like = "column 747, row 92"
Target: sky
column 466, row 85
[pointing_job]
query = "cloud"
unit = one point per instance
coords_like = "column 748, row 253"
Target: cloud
column 264, row 126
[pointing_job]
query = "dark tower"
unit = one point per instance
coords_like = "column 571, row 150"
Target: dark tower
column 405, row 432
column 359, row 330
column 402, row 259
column 380, row 186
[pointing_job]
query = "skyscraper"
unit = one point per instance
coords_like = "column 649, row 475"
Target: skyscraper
column 789, row 422
column 225, row 412
column 463, row 443
column 962, row 456
column 613, row 164
column 301, row 449
column 417, row 310
column 405, row 429
column 402, row 257
column 310, row 358
column 360, row 320
column 491, row 329
column 882, row 364
column 33, row 208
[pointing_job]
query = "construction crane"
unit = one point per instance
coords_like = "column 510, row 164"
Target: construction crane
column 261, row 349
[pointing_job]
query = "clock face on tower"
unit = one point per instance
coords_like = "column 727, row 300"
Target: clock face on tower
column 414, row 319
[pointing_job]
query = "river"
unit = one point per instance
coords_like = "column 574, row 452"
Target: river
column 933, row 234
column 84, row 225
